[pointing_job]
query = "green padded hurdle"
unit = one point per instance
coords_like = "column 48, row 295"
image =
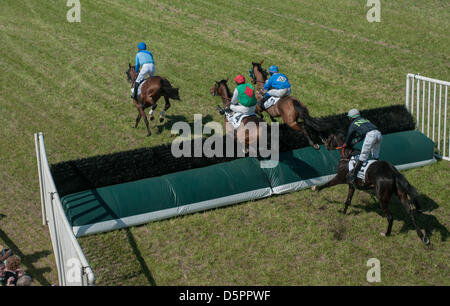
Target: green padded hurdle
column 129, row 204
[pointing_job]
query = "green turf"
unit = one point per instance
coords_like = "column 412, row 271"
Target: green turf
column 68, row 81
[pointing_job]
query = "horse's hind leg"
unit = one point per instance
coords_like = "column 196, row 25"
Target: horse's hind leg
column 301, row 129
column 404, row 199
column 166, row 107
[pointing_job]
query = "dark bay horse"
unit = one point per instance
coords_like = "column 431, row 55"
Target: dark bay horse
column 290, row 109
column 382, row 177
column 152, row 89
column 249, row 130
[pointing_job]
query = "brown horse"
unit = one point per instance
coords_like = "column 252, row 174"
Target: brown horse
column 152, row 89
column 290, row 109
column 382, row 177
column 249, row 130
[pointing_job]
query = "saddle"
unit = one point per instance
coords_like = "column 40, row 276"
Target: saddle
column 235, row 119
column 362, row 173
column 271, row 102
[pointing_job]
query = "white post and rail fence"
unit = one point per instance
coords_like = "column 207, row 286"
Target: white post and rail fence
column 426, row 100
column 73, row 268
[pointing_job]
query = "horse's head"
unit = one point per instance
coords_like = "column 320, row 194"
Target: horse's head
column 257, row 73
column 131, row 74
column 221, row 89
column 336, row 140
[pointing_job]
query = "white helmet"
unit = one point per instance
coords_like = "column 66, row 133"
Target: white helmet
column 353, row 113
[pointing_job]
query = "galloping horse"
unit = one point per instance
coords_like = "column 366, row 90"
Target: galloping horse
column 245, row 134
column 288, row 108
column 152, row 89
column 382, row 177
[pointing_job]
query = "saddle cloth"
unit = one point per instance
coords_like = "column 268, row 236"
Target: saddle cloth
column 236, row 118
column 362, row 173
column 140, row 86
column 271, row 102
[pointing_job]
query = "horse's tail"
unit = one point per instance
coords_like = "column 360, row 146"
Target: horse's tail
column 307, row 119
column 168, row 90
column 403, row 185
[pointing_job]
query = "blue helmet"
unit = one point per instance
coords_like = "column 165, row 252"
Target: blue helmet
column 142, row 46
column 273, row 69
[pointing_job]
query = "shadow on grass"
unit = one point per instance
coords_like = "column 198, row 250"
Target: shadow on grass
column 170, row 120
column 424, row 220
column 28, row 260
column 131, row 240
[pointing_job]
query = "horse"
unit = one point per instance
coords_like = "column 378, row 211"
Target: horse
column 245, row 134
column 152, row 89
column 289, row 108
column 381, row 177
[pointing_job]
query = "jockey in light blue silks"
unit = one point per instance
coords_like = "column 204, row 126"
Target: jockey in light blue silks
column 145, row 64
column 277, row 86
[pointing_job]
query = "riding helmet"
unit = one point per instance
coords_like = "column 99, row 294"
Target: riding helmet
column 273, row 69
column 353, row 113
column 240, row 79
column 142, row 46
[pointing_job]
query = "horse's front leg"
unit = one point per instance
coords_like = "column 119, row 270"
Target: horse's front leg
column 138, row 119
column 152, row 109
column 163, row 112
column 335, row 181
column 348, row 202
column 142, row 114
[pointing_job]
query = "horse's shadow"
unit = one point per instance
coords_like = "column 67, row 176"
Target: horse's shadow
column 170, row 120
column 424, row 220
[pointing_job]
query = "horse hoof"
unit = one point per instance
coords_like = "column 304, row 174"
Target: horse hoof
column 426, row 240
column 161, row 120
column 316, row 146
column 314, row 188
column 152, row 118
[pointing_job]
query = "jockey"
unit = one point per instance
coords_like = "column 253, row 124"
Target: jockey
column 360, row 129
column 244, row 99
column 277, row 86
column 145, row 63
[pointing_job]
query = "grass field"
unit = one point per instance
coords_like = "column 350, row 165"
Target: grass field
column 67, row 80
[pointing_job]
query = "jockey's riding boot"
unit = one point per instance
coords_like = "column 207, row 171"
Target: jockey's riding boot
column 135, row 91
column 354, row 173
column 221, row 110
column 262, row 101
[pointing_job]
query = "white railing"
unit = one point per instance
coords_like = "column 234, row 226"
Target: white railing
column 426, row 100
column 73, row 268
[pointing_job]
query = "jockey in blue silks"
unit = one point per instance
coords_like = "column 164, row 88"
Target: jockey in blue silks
column 145, row 64
column 277, row 86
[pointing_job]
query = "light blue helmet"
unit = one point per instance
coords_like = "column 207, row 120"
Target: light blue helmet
column 142, row 46
column 273, row 69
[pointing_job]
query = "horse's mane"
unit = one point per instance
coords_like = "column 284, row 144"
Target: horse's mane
column 260, row 69
column 224, row 83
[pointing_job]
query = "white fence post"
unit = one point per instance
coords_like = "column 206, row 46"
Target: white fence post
column 65, row 246
column 431, row 115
